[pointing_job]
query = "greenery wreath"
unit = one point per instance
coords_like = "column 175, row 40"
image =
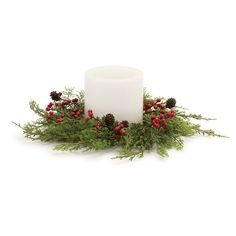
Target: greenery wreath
column 64, row 123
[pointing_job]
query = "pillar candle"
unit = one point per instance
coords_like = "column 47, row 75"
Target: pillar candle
column 117, row 90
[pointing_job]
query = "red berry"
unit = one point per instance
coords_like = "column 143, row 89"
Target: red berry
column 155, row 117
column 164, row 122
column 66, row 102
column 172, row 113
column 72, row 113
column 155, row 106
column 48, row 117
column 117, row 136
column 48, row 109
column 149, row 105
column 62, row 116
column 162, row 116
column 90, row 113
column 86, row 119
column 51, row 113
column 122, row 125
column 81, row 111
column 123, row 132
column 158, row 100
column 117, row 128
column 148, row 111
column 77, row 113
column 58, row 121
column 155, row 121
column 50, row 104
column 157, row 126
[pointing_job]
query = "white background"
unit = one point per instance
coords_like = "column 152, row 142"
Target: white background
column 186, row 49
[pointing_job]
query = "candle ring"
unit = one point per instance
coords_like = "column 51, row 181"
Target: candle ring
column 70, row 121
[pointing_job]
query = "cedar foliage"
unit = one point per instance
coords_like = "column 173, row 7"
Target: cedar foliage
column 73, row 133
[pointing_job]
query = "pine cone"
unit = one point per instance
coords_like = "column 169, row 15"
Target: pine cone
column 150, row 101
column 75, row 100
column 125, row 123
column 55, row 96
column 109, row 119
column 170, row 103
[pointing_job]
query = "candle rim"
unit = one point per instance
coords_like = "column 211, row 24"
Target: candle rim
column 113, row 72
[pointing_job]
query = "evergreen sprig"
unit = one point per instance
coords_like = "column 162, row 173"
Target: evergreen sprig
column 64, row 122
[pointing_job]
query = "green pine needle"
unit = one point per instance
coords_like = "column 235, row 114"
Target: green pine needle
column 73, row 133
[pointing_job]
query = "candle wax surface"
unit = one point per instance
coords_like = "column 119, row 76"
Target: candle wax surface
column 117, row 90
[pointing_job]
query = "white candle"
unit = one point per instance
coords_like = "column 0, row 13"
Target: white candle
column 117, row 90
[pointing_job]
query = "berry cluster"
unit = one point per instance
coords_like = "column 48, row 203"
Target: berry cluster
column 60, row 108
column 159, row 122
column 52, row 114
column 90, row 116
column 151, row 105
column 156, row 110
column 64, row 122
column 120, row 130
column 77, row 113
column 160, row 111
column 49, row 113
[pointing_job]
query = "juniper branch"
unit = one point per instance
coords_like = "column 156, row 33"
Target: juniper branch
column 193, row 116
column 35, row 107
column 210, row 132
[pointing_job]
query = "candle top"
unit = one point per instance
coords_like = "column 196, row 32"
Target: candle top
column 113, row 73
